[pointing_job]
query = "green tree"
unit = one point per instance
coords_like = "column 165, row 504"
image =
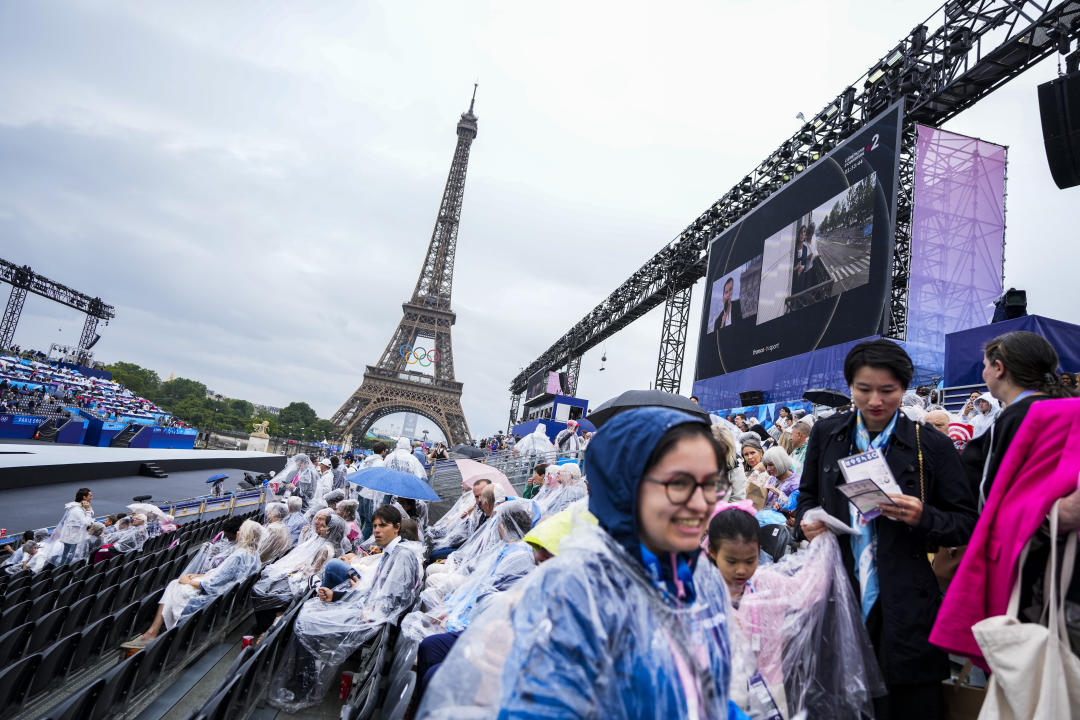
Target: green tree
column 241, row 408
column 173, row 391
column 141, row 381
column 299, row 414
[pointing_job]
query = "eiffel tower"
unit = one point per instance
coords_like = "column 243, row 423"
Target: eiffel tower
column 422, row 339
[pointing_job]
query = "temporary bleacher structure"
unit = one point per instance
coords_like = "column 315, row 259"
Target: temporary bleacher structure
column 60, row 630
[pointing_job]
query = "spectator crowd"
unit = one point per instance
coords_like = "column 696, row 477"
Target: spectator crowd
column 674, row 564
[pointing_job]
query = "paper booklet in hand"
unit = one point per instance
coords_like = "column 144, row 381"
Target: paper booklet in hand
column 868, row 482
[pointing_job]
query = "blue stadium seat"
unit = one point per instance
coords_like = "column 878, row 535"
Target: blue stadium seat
column 397, row 698
column 78, row 614
column 182, row 642
column 47, row 630
column 15, row 596
column 124, row 590
column 118, row 685
column 68, row 593
column 14, row 616
column 103, row 605
column 79, row 706
column 91, row 584
column 93, row 642
column 55, row 661
column 14, row 682
column 153, row 662
column 41, row 605
column 13, row 643
column 123, row 621
column 147, row 609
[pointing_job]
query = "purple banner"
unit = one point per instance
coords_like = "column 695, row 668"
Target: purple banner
column 957, row 241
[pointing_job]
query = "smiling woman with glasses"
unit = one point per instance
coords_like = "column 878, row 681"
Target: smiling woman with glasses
column 624, row 622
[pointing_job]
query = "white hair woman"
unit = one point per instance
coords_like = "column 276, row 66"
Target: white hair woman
column 188, row 593
column 784, row 481
column 276, row 540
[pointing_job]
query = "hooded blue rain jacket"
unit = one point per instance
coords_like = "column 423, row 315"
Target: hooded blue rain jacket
column 589, row 634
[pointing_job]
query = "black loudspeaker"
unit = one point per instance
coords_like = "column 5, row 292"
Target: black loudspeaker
column 564, row 383
column 1012, row 304
column 752, row 397
column 1059, row 104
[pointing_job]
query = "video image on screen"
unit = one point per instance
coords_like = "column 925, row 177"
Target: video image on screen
column 822, row 254
column 735, row 296
column 810, row 266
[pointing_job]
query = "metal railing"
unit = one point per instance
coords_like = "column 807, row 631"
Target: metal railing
column 192, row 508
column 445, row 477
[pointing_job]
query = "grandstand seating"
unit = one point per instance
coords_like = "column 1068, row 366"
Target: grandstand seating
column 60, row 656
column 65, row 388
column 60, row 628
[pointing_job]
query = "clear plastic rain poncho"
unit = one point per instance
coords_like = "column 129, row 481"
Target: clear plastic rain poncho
column 982, row 421
column 799, row 641
column 591, row 632
column 73, row 523
column 571, row 487
column 130, row 540
column 512, row 520
column 241, row 564
column 14, row 563
column 496, row 574
column 541, row 645
column 326, row 633
column 275, row 542
column 402, row 459
column 295, row 522
column 452, row 530
column 282, row 579
column 535, row 443
column 276, row 537
column 298, row 477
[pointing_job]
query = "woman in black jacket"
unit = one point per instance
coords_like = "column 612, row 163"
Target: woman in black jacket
column 887, row 560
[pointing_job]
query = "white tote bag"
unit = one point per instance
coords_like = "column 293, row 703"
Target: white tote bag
column 1035, row 675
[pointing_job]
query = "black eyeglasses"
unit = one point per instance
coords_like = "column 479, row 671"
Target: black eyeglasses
column 681, row 487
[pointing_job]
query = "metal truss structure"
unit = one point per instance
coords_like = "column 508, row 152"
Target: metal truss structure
column 392, row 385
column 23, row 280
column 959, row 55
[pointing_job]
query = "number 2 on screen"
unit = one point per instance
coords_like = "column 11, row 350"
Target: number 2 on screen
column 875, row 142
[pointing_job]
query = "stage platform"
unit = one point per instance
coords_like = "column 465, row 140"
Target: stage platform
column 33, row 464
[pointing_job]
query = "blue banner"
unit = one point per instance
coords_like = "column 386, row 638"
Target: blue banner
column 19, row 426
column 964, row 349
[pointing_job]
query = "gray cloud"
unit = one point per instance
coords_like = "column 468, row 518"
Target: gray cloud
column 253, row 185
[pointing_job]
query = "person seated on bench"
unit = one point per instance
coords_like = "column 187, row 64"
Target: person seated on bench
column 188, row 593
column 20, row 558
column 275, row 539
column 284, row 578
column 214, row 551
column 459, row 524
column 295, row 521
column 331, row 627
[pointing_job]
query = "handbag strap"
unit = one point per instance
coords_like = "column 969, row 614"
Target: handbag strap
column 922, row 483
column 1053, row 591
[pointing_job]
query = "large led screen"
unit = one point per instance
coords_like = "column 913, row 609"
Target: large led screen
column 810, row 267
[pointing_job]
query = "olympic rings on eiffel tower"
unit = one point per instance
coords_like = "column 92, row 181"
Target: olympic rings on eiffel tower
column 419, row 355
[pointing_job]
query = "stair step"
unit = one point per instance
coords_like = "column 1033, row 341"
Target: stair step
column 151, row 469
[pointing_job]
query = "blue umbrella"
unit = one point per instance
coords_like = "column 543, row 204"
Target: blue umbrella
column 394, row 482
column 217, row 478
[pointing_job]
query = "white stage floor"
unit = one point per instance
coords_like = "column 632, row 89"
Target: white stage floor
column 39, row 454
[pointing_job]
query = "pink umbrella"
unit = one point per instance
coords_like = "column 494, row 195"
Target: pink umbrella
column 471, row 471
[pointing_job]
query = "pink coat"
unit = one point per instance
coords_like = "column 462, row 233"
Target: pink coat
column 1041, row 465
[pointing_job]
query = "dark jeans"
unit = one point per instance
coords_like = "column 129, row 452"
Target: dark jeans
column 433, row 650
column 364, row 509
column 441, row 553
column 69, row 553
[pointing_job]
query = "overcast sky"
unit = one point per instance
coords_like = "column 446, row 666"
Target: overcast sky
column 253, row 184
